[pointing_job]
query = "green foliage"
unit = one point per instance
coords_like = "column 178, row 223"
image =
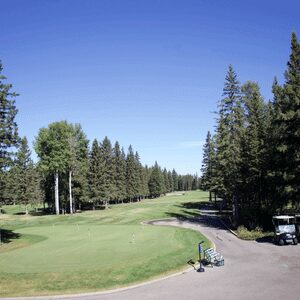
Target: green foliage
column 8, row 131
column 94, row 174
column 253, row 171
column 228, row 139
column 156, row 184
column 208, row 164
column 27, row 182
column 286, row 127
column 256, row 155
column 254, row 234
column 52, row 145
column 120, row 172
column 132, row 175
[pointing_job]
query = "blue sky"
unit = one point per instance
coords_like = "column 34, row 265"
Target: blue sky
column 146, row 73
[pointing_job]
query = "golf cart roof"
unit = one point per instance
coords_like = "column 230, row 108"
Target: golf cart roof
column 283, row 217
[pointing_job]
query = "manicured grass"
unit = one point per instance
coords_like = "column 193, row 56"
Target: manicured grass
column 96, row 250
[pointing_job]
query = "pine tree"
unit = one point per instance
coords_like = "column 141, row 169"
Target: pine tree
column 132, row 176
column 145, row 181
column 208, row 165
column 78, row 166
column 25, row 178
column 139, row 176
column 287, row 120
column 107, row 170
column 166, row 184
column 195, row 184
column 8, row 130
column 120, row 172
column 253, row 171
column 228, row 142
column 94, row 174
column 175, row 180
column 156, row 181
column 171, row 182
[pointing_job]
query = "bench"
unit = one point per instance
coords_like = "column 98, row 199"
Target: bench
column 213, row 258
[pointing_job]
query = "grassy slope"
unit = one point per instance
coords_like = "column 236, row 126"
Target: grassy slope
column 96, row 250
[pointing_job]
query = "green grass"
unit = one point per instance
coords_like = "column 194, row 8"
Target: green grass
column 96, row 250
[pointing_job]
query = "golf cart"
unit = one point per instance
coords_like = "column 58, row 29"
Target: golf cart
column 285, row 230
column 297, row 224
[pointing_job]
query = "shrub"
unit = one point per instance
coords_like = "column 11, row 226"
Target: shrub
column 254, row 234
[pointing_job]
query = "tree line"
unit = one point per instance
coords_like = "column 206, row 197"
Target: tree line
column 252, row 160
column 69, row 174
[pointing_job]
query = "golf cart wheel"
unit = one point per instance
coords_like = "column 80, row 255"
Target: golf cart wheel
column 295, row 241
column 281, row 242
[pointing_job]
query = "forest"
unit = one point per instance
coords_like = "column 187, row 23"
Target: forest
column 69, row 174
column 252, row 160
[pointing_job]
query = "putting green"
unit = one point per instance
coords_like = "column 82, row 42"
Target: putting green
column 76, row 248
column 96, row 250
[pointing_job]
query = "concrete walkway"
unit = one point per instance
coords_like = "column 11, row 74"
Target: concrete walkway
column 252, row 271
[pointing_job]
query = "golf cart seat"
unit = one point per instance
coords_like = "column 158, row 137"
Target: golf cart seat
column 213, row 258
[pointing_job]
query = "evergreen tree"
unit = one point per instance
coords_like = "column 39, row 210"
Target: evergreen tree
column 145, row 181
column 107, row 170
column 78, row 166
column 156, row 182
column 287, row 120
column 94, row 174
column 208, row 165
column 228, row 142
column 195, row 183
column 175, row 180
column 26, row 182
column 166, row 184
column 139, row 176
column 253, row 171
column 120, row 172
column 8, row 131
column 132, row 176
column 171, row 182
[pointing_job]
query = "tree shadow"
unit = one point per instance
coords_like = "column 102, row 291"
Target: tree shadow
column 265, row 239
column 8, row 235
column 203, row 213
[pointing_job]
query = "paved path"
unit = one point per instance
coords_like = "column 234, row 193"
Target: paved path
column 252, row 271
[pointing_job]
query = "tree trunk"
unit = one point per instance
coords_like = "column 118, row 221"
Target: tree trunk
column 210, row 196
column 70, row 192
column 56, row 193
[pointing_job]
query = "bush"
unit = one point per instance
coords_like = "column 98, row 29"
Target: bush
column 254, row 234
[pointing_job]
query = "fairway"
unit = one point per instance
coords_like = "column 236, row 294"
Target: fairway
column 96, row 250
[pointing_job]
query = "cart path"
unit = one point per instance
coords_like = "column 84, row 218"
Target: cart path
column 252, row 271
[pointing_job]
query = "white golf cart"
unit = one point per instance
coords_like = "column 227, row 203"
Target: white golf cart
column 297, row 224
column 285, row 230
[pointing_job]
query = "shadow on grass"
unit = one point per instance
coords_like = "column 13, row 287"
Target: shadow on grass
column 8, row 235
column 204, row 213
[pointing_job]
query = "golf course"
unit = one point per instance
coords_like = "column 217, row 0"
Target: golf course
column 95, row 250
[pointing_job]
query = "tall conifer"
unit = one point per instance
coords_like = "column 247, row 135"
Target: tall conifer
column 8, row 130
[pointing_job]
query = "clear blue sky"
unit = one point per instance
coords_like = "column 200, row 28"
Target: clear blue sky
column 146, row 73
